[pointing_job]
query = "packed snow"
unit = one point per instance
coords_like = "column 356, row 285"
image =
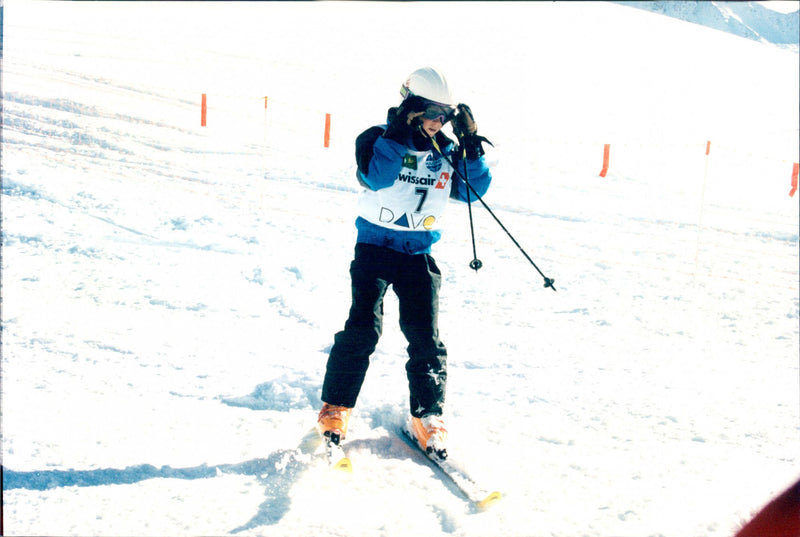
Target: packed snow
column 170, row 291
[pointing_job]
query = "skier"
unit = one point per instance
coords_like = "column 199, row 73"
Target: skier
column 407, row 184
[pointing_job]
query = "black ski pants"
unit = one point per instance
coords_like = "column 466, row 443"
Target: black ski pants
column 416, row 280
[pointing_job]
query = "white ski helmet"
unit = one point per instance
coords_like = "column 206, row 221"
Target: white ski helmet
column 427, row 83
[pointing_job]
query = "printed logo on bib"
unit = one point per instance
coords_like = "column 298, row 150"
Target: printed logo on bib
column 415, row 179
column 444, row 177
column 410, row 161
column 433, row 163
column 408, row 220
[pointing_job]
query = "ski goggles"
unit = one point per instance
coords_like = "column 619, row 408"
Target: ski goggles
column 441, row 112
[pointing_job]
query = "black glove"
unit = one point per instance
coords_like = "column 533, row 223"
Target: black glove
column 464, row 122
column 403, row 120
column 465, row 128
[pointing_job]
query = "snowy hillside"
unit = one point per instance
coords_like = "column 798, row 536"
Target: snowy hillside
column 170, row 291
column 753, row 20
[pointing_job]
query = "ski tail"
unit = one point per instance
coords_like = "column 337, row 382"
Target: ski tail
column 489, row 500
column 337, row 458
column 343, row 465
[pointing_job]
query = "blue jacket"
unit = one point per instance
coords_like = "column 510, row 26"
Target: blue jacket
column 380, row 162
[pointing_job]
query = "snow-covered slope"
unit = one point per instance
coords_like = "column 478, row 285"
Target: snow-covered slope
column 752, row 20
column 170, row 291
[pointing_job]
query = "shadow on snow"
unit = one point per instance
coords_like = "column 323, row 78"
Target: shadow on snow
column 277, row 473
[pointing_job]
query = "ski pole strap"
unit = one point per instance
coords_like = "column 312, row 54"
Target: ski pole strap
column 472, row 146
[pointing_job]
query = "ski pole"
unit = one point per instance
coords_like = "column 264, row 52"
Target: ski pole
column 548, row 282
column 476, row 263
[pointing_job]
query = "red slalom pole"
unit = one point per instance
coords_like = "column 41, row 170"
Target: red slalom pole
column 606, row 151
column 327, row 141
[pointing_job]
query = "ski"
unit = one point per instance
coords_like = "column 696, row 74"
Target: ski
column 481, row 497
column 334, row 455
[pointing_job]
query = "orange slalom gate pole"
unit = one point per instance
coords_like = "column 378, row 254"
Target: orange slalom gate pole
column 327, row 141
column 705, row 173
column 265, row 121
column 795, row 173
column 606, row 151
column 203, row 110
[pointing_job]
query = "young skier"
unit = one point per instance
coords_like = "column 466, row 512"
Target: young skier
column 406, row 184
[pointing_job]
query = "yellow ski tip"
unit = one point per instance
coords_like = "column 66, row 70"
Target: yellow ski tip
column 344, row 465
column 490, row 500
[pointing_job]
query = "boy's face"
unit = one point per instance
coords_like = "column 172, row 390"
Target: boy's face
column 431, row 126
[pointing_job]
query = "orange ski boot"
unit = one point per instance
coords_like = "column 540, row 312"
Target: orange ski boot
column 430, row 433
column 332, row 422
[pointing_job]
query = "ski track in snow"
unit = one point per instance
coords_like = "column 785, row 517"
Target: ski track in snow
column 170, row 292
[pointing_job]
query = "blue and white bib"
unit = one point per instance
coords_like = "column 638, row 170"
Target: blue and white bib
column 417, row 198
